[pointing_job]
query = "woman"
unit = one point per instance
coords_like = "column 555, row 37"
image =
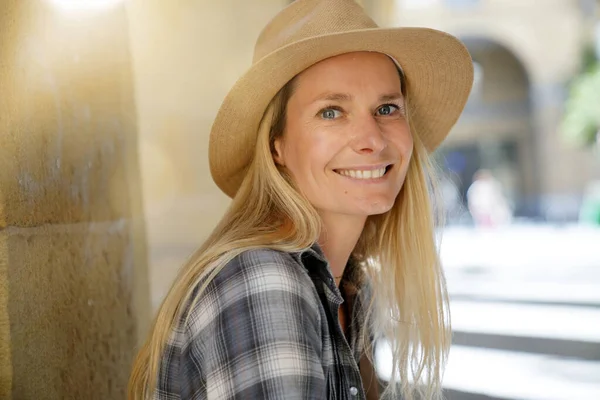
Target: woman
column 328, row 243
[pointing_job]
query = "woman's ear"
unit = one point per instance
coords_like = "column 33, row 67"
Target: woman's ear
column 278, row 152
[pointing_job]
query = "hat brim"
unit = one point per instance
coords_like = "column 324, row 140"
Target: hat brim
column 437, row 67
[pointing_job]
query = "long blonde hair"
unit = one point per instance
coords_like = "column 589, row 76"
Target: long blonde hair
column 396, row 249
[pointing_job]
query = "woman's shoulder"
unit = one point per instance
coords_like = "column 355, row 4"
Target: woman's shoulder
column 252, row 284
column 264, row 266
column 255, row 273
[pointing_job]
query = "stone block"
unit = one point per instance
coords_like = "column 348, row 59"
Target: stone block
column 72, row 326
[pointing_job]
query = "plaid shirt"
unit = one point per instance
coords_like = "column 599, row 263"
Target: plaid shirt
column 267, row 327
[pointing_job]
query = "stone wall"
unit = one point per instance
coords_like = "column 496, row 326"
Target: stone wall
column 73, row 284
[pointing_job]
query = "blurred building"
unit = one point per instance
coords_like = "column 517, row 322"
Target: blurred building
column 525, row 53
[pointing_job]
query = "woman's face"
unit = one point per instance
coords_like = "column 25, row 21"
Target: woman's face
column 347, row 144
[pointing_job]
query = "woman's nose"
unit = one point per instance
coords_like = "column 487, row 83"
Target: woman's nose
column 368, row 137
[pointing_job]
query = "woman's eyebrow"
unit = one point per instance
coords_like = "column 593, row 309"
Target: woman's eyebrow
column 391, row 97
column 345, row 97
column 330, row 96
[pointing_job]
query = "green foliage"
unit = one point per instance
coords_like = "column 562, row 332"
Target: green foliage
column 581, row 121
column 588, row 58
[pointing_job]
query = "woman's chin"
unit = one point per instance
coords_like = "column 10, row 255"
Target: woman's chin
column 381, row 206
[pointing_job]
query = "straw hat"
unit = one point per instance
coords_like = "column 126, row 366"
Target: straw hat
column 437, row 66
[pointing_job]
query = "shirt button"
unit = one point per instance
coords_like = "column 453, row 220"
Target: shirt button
column 353, row 391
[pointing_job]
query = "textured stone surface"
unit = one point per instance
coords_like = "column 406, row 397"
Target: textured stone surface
column 73, row 283
column 72, row 322
column 5, row 356
column 65, row 131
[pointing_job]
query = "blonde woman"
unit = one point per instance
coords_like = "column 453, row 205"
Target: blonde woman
column 328, row 243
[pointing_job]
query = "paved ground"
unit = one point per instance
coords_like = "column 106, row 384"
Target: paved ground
column 526, row 313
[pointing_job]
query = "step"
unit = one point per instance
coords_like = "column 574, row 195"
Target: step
column 515, row 375
column 451, row 394
column 581, row 324
column 554, row 293
column 553, row 347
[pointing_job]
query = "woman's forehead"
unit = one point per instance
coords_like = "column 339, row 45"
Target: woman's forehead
column 351, row 70
column 349, row 61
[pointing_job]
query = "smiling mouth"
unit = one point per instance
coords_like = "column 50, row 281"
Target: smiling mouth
column 364, row 174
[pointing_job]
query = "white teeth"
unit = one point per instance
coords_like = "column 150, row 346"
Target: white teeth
column 359, row 174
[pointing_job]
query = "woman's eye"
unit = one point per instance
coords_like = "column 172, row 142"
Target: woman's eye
column 387, row 109
column 330, row 113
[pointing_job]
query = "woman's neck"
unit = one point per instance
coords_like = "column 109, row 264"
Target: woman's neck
column 338, row 239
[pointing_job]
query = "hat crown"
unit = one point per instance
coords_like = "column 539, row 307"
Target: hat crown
column 309, row 18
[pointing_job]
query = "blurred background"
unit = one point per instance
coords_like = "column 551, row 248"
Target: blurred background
column 105, row 110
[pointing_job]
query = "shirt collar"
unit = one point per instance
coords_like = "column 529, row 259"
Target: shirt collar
column 352, row 277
